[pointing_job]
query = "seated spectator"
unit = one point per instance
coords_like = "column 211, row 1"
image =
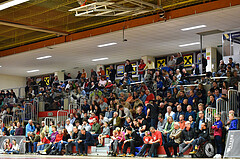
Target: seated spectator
column 19, row 130
column 7, row 146
column 44, row 142
column 58, row 139
column 127, row 123
column 193, row 123
column 218, row 127
column 96, row 128
column 118, row 140
column 175, row 140
column 202, row 137
column 72, row 141
column 153, row 144
column 178, row 113
column 115, row 121
column 143, row 126
column 212, row 103
column 139, row 112
column 132, row 140
column 63, row 142
column 168, row 127
column 169, row 113
column 93, row 116
column 146, row 140
column 85, row 125
column 190, row 112
column 150, row 96
column 161, row 123
column 34, row 140
column 233, row 122
column 84, row 140
column 188, row 135
column 124, row 112
column 15, row 148
column 69, row 126
column 217, row 94
column 44, row 128
column 199, row 122
column 182, row 122
column 103, row 106
column 105, row 134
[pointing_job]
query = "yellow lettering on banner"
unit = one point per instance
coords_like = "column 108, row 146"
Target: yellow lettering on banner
column 161, row 62
column 107, row 71
column 46, row 80
column 188, row 60
column 134, row 68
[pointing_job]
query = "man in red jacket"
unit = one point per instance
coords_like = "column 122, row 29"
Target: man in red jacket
column 150, row 96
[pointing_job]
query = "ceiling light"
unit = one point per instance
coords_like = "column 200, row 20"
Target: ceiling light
column 100, row 59
column 190, row 44
column 0, row 66
column 108, row 44
column 11, row 3
column 31, row 71
column 43, row 57
column 194, row 27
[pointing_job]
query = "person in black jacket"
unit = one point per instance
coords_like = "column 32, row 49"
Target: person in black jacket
column 112, row 73
column 202, row 137
column 84, row 139
column 128, row 69
column 72, row 142
column 204, row 64
column 188, row 135
column 132, row 140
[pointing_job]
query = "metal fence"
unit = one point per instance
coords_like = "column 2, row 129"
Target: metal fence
column 73, row 106
column 7, row 120
column 209, row 118
column 48, row 120
column 222, row 109
column 62, row 116
column 19, row 116
column 31, row 111
column 233, row 101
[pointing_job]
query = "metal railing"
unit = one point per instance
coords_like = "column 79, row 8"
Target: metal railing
column 31, row 111
column 7, row 120
column 48, row 120
column 233, row 101
column 222, row 109
column 19, row 116
column 62, row 116
column 209, row 118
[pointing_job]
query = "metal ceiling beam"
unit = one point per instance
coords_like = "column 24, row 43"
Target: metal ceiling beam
column 33, row 28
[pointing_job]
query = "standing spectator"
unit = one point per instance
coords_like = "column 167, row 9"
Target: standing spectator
column 152, row 113
column 150, row 65
column 93, row 74
column 204, row 64
column 171, row 63
column 218, row 127
column 101, row 72
column 141, row 67
column 30, row 127
column 112, row 73
column 179, row 62
column 79, row 75
column 128, row 69
column 175, row 140
column 232, row 64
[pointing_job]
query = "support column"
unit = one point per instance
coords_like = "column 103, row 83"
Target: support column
column 211, row 55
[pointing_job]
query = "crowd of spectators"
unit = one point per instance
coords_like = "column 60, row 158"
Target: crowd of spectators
column 158, row 110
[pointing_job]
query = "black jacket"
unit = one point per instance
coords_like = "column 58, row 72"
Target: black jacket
column 188, row 135
column 129, row 69
column 134, row 136
column 204, row 133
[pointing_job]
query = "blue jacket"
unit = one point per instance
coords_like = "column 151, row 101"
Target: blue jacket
column 190, row 99
column 192, row 113
column 177, row 114
column 233, row 124
column 29, row 128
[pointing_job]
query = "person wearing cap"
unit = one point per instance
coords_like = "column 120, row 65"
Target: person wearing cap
column 202, row 137
column 109, row 85
column 132, row 140
column 218, row 127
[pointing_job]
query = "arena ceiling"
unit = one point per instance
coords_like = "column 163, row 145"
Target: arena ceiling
column 54, row 16
column 156, row 39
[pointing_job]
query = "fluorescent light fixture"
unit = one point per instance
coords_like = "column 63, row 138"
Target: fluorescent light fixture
column 11, row 3
column 190, row 44
column 31, row 71
column 108, row 44
column 100, row 59
column 43, row 57
column 194, row 27
column 0, row 66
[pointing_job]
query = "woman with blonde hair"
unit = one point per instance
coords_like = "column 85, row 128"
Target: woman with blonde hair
column 168, row 127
